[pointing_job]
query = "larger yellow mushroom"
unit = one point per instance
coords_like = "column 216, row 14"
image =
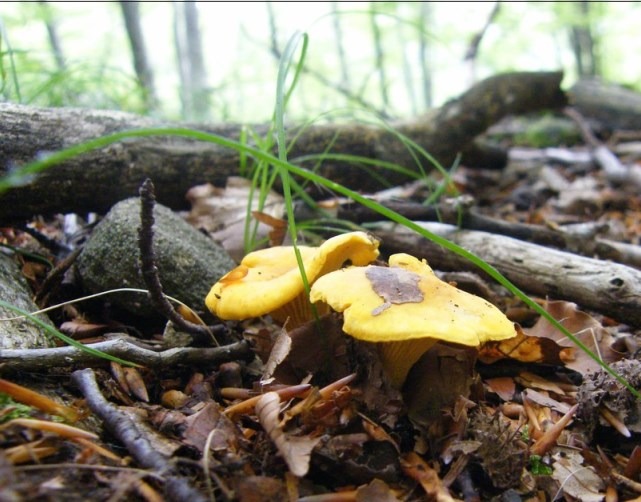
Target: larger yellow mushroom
column 406, row 309
column 269, row 281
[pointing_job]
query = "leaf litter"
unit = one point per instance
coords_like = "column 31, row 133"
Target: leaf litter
column 315, row 415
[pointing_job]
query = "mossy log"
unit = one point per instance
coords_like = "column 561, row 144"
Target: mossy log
column 95, row 181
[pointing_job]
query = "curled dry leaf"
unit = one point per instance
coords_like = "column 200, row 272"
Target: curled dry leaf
column 280, row 351
column 296, row 451
column 584, row 327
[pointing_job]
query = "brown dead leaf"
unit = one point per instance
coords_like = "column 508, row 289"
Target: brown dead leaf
column 544, row 400
column 376, row 490
column 295, row 450
column 532, row 380
column 201, row 424
column 222, row 212
column 505, row 387
column 525, row 348
column 280, row 350
column 576, row 480
column 136, row 384
column 317, row 348
column 79, row 329
column 419, row 470
column 259, row 489
column 279, row 227
column 587, row 329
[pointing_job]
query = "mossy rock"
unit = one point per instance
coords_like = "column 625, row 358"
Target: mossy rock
column 189, row 262
column 14, row 289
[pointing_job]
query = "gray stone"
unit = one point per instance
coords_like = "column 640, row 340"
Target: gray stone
column 189, row 263
column 19, row 333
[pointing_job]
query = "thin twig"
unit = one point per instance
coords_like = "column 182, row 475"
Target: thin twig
column 42, row 359
column 177, row 487
column 150, row 270
column 54, row 277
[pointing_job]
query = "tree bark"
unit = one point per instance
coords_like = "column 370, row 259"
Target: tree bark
column 583, row 42
column 193, row 77
column 131, row 16
column 424, row 59
column 96, row 180
column 52, row 33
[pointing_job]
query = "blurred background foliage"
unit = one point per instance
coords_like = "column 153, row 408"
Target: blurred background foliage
column 217, row 62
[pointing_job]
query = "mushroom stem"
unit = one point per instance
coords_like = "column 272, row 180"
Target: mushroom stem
column 398, row 357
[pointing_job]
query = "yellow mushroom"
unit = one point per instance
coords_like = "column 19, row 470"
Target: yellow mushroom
column 269, row 281
column 407, row 309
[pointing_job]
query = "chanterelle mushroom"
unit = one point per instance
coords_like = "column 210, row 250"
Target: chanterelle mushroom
column 269, row 281
column 407, row 309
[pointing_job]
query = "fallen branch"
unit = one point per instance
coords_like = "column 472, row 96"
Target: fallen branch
column 96, row 180
column 44, row 359
column 581, row 239
column 177, row 487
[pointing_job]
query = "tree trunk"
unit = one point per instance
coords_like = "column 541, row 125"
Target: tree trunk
column 424, row 54
column 340, row 49
column 52, row 33
column 131, row 16
column 194, row 94
column 96, row 180
column 380, row 59
column 582, row 41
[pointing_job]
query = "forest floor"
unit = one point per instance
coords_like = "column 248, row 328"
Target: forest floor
column 534, row 421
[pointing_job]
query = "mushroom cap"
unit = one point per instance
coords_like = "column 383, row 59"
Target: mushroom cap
column 269, row 279
column 408, row 302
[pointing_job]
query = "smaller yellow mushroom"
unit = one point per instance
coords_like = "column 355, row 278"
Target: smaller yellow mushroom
column 269, row 281
column 407, row 309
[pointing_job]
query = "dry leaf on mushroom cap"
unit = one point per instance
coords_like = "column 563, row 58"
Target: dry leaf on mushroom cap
column 269, row 281
column 408, row 308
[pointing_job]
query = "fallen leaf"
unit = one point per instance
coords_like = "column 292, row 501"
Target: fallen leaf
column 394, row 285
column 280, row 350
column 504, row 387
column 587, row 329
column 136, row 384
column 532, row 380
column 295, row 450
column 544, row 400
column 201, row 424
column 376, row 490
column 575, row 479
column 419, row 470
column 525, row 348
column 222, row 212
